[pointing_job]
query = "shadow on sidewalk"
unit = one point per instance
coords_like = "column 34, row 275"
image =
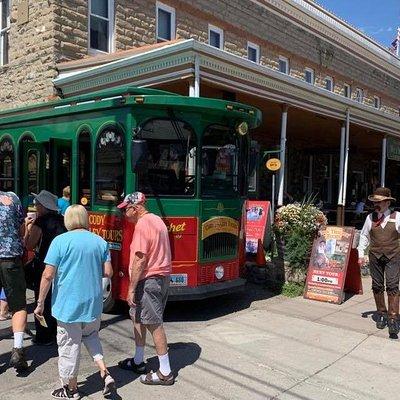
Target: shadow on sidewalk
column 181, row 355
column 215, row 307
column 39, row 355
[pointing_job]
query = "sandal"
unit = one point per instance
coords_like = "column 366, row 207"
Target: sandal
column 130, row 365
column 163, row 380
column 5, row 317
column 108, row 384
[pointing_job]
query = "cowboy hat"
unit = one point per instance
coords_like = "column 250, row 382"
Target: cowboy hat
column 381, row 194
column 47, row 200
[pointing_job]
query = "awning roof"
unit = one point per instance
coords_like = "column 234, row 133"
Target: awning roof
column 183, row 59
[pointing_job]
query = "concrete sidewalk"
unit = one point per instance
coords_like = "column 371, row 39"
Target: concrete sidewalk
column 241, row 347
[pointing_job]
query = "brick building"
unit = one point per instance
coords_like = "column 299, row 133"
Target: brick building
column 330, row 95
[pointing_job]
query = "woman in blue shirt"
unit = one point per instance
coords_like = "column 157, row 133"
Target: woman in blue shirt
column 76, row 263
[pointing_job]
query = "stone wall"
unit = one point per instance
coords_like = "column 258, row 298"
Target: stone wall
column 58, row 31
column 28, row 76
column 70, row 29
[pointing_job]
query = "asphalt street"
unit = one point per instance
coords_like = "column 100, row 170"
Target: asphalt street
column 245, row 346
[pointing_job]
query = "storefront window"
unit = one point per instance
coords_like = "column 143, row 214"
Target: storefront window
column 219, row 161
column 169, row 167
column 110, row 166
column 6, row 165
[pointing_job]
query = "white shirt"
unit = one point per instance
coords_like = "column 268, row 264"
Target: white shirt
column 364, row 235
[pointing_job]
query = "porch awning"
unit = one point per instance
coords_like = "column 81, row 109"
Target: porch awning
column 184, row 59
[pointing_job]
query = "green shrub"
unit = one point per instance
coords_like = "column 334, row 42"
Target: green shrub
column 297, row 249
column 292, row 289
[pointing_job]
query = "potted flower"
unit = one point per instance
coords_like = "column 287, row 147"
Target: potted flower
column 295, row 227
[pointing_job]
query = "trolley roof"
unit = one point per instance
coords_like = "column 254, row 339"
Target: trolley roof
column 125, row 96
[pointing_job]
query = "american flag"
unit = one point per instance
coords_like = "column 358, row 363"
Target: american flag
column 395, row 46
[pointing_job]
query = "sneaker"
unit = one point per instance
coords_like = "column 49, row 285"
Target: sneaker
column 381, row 321
column 130, row 365
column 393, row 326
column 18, row 360
column 109, row 384
column 65, row 393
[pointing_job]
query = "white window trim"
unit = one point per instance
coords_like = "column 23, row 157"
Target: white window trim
column 312, row 75
column 361, row 100
column 171, row 11
column 379, row 102
column 110, row 19
column 256, row 47
column 216, row 30
column 346, row 85
column 329, row 78
column 4, row 33
column 286, row 60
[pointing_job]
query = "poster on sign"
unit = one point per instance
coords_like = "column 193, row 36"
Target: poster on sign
column 257, row 213
column 329, row 264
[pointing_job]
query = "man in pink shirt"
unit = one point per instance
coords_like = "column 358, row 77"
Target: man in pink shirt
column 149, row 269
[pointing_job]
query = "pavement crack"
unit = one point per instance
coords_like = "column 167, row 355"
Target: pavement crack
column 322, row 369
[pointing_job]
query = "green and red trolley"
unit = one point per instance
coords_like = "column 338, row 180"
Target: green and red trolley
column 188, row 155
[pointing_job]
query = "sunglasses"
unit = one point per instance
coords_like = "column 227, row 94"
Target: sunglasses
column 129, row 207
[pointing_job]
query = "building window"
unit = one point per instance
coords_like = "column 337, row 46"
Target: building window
column 347, row 90
column 165, row 22
column 359, row 95
column 215, row 37
column 253, row 52
column 377, row 102
column 309, row 75
column 4, row 28
column 101, row 25
column 329, row 83
column 283, row 65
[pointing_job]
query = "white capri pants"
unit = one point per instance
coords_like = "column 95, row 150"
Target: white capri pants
column 69, row 339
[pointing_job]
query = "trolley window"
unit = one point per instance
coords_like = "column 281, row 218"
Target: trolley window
column 6, row 165
column 169, row 165
column 110, row 166
column 33, row 171
column 84, row 160
column 219, row 175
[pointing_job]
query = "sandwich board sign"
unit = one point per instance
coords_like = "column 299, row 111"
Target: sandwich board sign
column 333, row 267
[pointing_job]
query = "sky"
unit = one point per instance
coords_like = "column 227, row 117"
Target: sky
column 377, row 18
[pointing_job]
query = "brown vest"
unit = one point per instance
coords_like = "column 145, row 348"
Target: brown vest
column 385, row 242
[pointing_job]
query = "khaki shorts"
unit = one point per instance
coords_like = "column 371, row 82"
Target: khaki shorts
column 12, row 279
column 151, row 297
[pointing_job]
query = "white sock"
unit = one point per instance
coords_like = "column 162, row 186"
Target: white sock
column 165, row 368
column 18, row 340
column 139, row 355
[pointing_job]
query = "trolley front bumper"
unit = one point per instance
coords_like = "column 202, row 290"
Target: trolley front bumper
column 179, row 293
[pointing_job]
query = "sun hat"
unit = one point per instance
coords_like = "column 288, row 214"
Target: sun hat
column 133, row 199
column 47, row 200
column 381, row 194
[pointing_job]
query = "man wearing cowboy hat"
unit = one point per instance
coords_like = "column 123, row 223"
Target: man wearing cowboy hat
column 381, row 232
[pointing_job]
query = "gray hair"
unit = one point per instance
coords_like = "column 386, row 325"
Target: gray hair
column 76, row 217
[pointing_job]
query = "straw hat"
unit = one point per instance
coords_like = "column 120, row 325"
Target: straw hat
column 381, row 194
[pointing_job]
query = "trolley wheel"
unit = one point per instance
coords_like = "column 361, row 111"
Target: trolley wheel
column 108, row 300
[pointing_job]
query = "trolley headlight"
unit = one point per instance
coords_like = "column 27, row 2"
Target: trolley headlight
column 242, row 128
column 219, row 272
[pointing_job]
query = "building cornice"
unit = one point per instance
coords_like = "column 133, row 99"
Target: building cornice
column 321, row 23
